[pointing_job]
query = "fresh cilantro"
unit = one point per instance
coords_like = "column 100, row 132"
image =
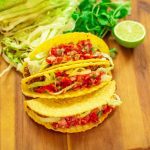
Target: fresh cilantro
column 99, row 113
column 99, row 17
column 93, row 49
column 94, row 76
column 113, row 52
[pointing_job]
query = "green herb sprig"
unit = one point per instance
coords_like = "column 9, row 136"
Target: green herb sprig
column 99, row 17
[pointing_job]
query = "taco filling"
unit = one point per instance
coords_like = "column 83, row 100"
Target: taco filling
column 72, row 79
column 75, row 120
column 82, row 119
column 66, row 49
column 76, row 114
column 72, row 52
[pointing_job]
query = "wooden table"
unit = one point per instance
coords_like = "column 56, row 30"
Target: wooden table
column 127, row 129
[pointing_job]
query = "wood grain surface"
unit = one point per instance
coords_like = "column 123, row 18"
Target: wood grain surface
column 128, row 128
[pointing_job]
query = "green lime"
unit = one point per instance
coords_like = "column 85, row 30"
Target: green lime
column 129, row 33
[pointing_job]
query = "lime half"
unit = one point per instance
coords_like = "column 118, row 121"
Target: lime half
column 129, row 33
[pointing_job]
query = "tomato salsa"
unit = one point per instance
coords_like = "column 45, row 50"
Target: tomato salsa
column 92, row 117
column 64, row 82
column 72, row 52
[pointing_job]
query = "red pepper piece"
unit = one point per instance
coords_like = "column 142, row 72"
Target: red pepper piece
column 65, row 82
column 93, row 117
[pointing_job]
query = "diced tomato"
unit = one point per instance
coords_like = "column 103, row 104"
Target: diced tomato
column 84, row 44
column 77, row 87
column 59, row 60
column 63, row 123
column 71, row 121
column 65, row 81
column 87, row 118
column 79, row 78
column 42, row 89
column 93, row 117
column 51, row 88
column 87, row 80
column 68, row 48
column 79, row 50
column 70, row 51
column 68, row 58
column 55, row 125
column 67, row 122
column 97, row 81
column 53, row 51
column 89, row 45
column 86, row 77
column 75, row 121
column 107, row 109
column 83, row 121
column 61, row 73
column 79, row 46
column 68, row 118
column 48, row 61
column 39, row 90
column 71, row 46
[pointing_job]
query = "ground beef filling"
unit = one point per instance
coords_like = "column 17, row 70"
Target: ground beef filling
column 36, row 79
column 26, row 72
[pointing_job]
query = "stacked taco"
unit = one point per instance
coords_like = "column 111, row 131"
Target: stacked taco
column 75, row 114
column 67, row 48
column 70, row 78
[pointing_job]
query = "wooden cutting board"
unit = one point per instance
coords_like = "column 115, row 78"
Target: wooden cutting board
column 128, row 128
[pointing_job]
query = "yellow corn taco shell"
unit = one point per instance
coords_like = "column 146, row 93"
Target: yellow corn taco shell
column 70, row 107
column 105, row 62
column 67, row 38
column 27, row 90
column 67, row 130
column 43, row 49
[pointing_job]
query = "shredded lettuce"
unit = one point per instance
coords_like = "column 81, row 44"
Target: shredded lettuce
column 5, row 4
column 26, row 25
column 115, row 101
